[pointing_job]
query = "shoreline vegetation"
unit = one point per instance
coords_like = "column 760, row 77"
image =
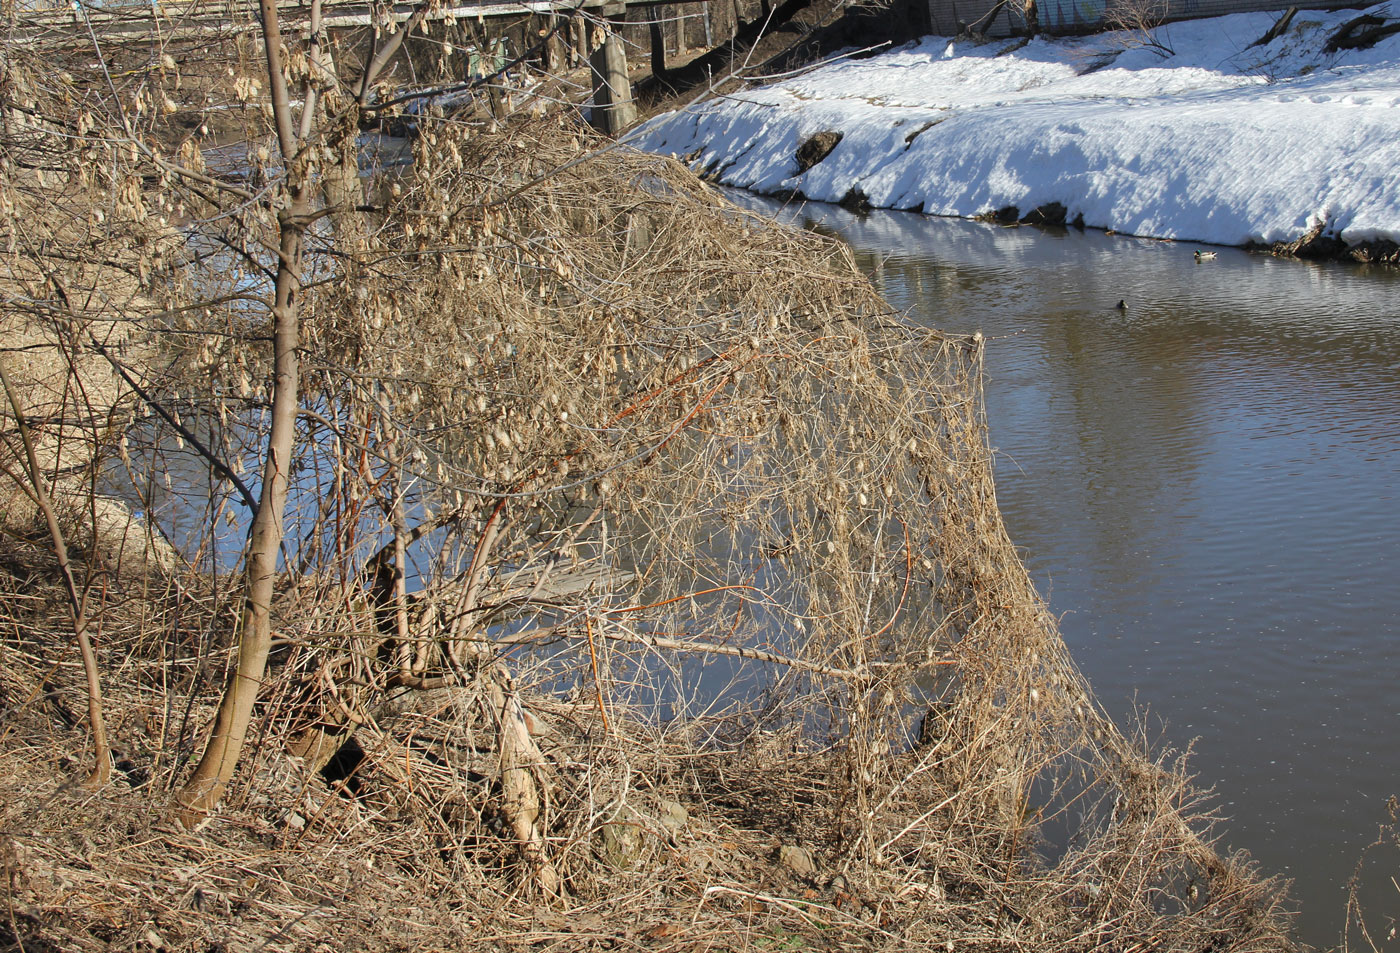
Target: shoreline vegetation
column 640, row 581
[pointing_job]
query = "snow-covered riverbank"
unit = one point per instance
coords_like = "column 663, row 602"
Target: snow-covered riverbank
column 1206, row 138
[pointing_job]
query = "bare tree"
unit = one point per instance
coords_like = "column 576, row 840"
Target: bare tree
column 230, row 729
column 1142, row 24
column 77, row 598
column 295, row 141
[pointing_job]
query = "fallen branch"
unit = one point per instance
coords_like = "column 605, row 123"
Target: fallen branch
column 708, row 648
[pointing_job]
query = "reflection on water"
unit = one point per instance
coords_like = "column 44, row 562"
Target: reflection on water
column 1207, row 486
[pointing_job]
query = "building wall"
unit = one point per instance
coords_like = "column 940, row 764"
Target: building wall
column 1080, row 16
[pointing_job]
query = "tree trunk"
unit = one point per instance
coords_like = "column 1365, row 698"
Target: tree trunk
column 520, row 758
column 580, row 46
column 204, row 789
column 658, row 50
column 554, row 45
column 77, row 601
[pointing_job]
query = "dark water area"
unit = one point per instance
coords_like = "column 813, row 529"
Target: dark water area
column 1206, row 487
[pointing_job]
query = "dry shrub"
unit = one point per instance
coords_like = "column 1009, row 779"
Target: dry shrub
column 1141, row 24
column 610, row 499
column 1372, row 889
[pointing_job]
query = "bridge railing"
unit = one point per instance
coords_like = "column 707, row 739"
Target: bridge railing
column 128, row 16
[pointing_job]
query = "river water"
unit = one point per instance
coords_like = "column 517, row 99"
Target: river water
column 1206, row 486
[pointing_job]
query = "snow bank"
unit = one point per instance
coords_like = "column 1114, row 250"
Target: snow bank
column 1213, row 141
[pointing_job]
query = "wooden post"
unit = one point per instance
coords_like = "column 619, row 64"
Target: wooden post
column 677, row 12
column 554, row 46
column 613, row 108
column 578, row 49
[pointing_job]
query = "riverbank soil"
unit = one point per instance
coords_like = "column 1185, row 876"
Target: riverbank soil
column 643, row 586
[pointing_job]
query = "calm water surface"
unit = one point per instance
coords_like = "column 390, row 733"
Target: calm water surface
column 1207, row 487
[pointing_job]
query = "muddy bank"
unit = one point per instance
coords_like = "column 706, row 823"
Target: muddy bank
column 1316, row 245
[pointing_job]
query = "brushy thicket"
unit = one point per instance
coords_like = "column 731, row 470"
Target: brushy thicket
column 644, row 581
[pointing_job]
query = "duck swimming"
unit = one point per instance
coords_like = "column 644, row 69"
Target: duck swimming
column 1205, row 256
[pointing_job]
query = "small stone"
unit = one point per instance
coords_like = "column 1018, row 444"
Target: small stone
column 673, row 816
column 625, row 843
column 798, row 860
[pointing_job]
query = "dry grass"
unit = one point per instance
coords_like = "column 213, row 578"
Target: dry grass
column 612, row 500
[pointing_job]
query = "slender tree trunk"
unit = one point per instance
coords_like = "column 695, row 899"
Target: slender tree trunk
column 77, row 601
column 204, row 789
column 658, row 48
column 582, row 47
column 519, row 759
column 554, row 45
